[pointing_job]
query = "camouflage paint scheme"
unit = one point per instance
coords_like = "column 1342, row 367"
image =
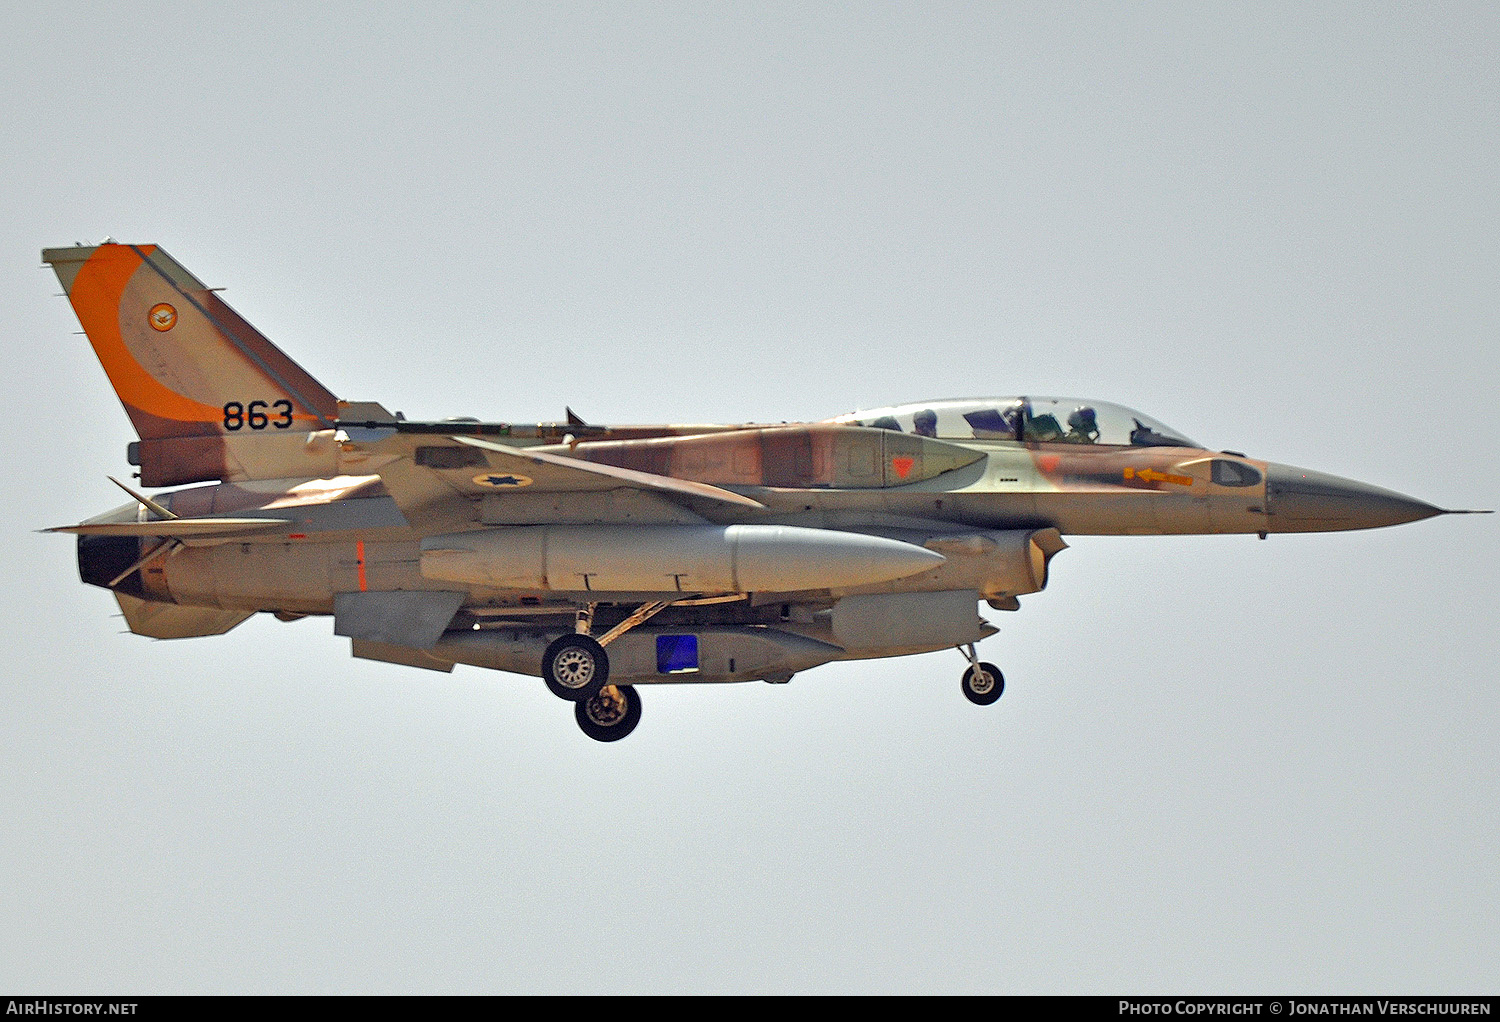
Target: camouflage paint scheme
column 316, row 506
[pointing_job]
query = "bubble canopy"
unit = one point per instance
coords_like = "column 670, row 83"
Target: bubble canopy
column 1032, row 419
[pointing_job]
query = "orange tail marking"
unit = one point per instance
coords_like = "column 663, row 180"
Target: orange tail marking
column 96, row 297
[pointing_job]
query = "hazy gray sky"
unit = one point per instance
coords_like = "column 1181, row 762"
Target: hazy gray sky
column 1220, row 764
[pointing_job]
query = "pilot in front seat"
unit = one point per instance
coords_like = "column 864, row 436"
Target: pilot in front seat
column 1083, row 426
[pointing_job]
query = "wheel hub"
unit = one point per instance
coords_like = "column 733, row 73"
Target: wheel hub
column 606, row 709
column 981, row 682
column 573, row 668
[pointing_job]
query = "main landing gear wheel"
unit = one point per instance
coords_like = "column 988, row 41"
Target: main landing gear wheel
column 575, row 667
column 609, row 715
column 983, row 684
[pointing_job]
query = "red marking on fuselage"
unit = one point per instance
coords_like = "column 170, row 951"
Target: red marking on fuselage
column 903, row 466
column 359, row 559
column 1048, row 462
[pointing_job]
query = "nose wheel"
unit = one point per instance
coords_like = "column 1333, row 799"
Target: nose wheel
column 983, row 684
column 609, row 715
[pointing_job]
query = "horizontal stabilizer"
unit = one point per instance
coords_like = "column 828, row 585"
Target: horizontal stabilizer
column 171, row 621
column 182, row 527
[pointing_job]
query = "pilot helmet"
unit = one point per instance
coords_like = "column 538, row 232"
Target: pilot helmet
column 1084, row 420
column 925, row 422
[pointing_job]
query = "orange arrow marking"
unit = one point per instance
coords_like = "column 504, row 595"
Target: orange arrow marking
column 1150, row 475
column 903, row 466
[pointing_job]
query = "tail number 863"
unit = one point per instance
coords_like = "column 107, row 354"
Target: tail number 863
column 256, row 415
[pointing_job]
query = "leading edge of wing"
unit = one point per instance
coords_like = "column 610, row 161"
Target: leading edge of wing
column 181, row 527
column 515, row 458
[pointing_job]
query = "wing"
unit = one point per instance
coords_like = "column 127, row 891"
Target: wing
column 423, row 472
column 552, row 472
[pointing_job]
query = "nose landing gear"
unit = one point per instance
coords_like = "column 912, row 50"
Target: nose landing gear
column 982, row 683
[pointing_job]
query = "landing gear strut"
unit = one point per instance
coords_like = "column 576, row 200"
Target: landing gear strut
column 576, row 668
column 982, row 683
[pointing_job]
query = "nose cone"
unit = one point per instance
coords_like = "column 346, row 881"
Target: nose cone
column 1300, row 500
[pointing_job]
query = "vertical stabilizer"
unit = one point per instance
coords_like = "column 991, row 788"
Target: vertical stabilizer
column 207, row 392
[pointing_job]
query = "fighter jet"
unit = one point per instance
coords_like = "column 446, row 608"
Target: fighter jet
column 601, row 558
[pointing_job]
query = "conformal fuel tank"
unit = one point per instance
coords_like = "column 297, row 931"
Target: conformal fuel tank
column 670, row 558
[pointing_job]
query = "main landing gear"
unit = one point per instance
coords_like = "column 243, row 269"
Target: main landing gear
column 982, row 682
column 576, row 668
column 611, row 714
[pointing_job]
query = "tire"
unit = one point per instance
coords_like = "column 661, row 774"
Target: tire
column 983, row 684
column 603, row 720
column 575, row 667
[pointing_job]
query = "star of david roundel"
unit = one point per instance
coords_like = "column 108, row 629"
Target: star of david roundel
column 501, row 480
